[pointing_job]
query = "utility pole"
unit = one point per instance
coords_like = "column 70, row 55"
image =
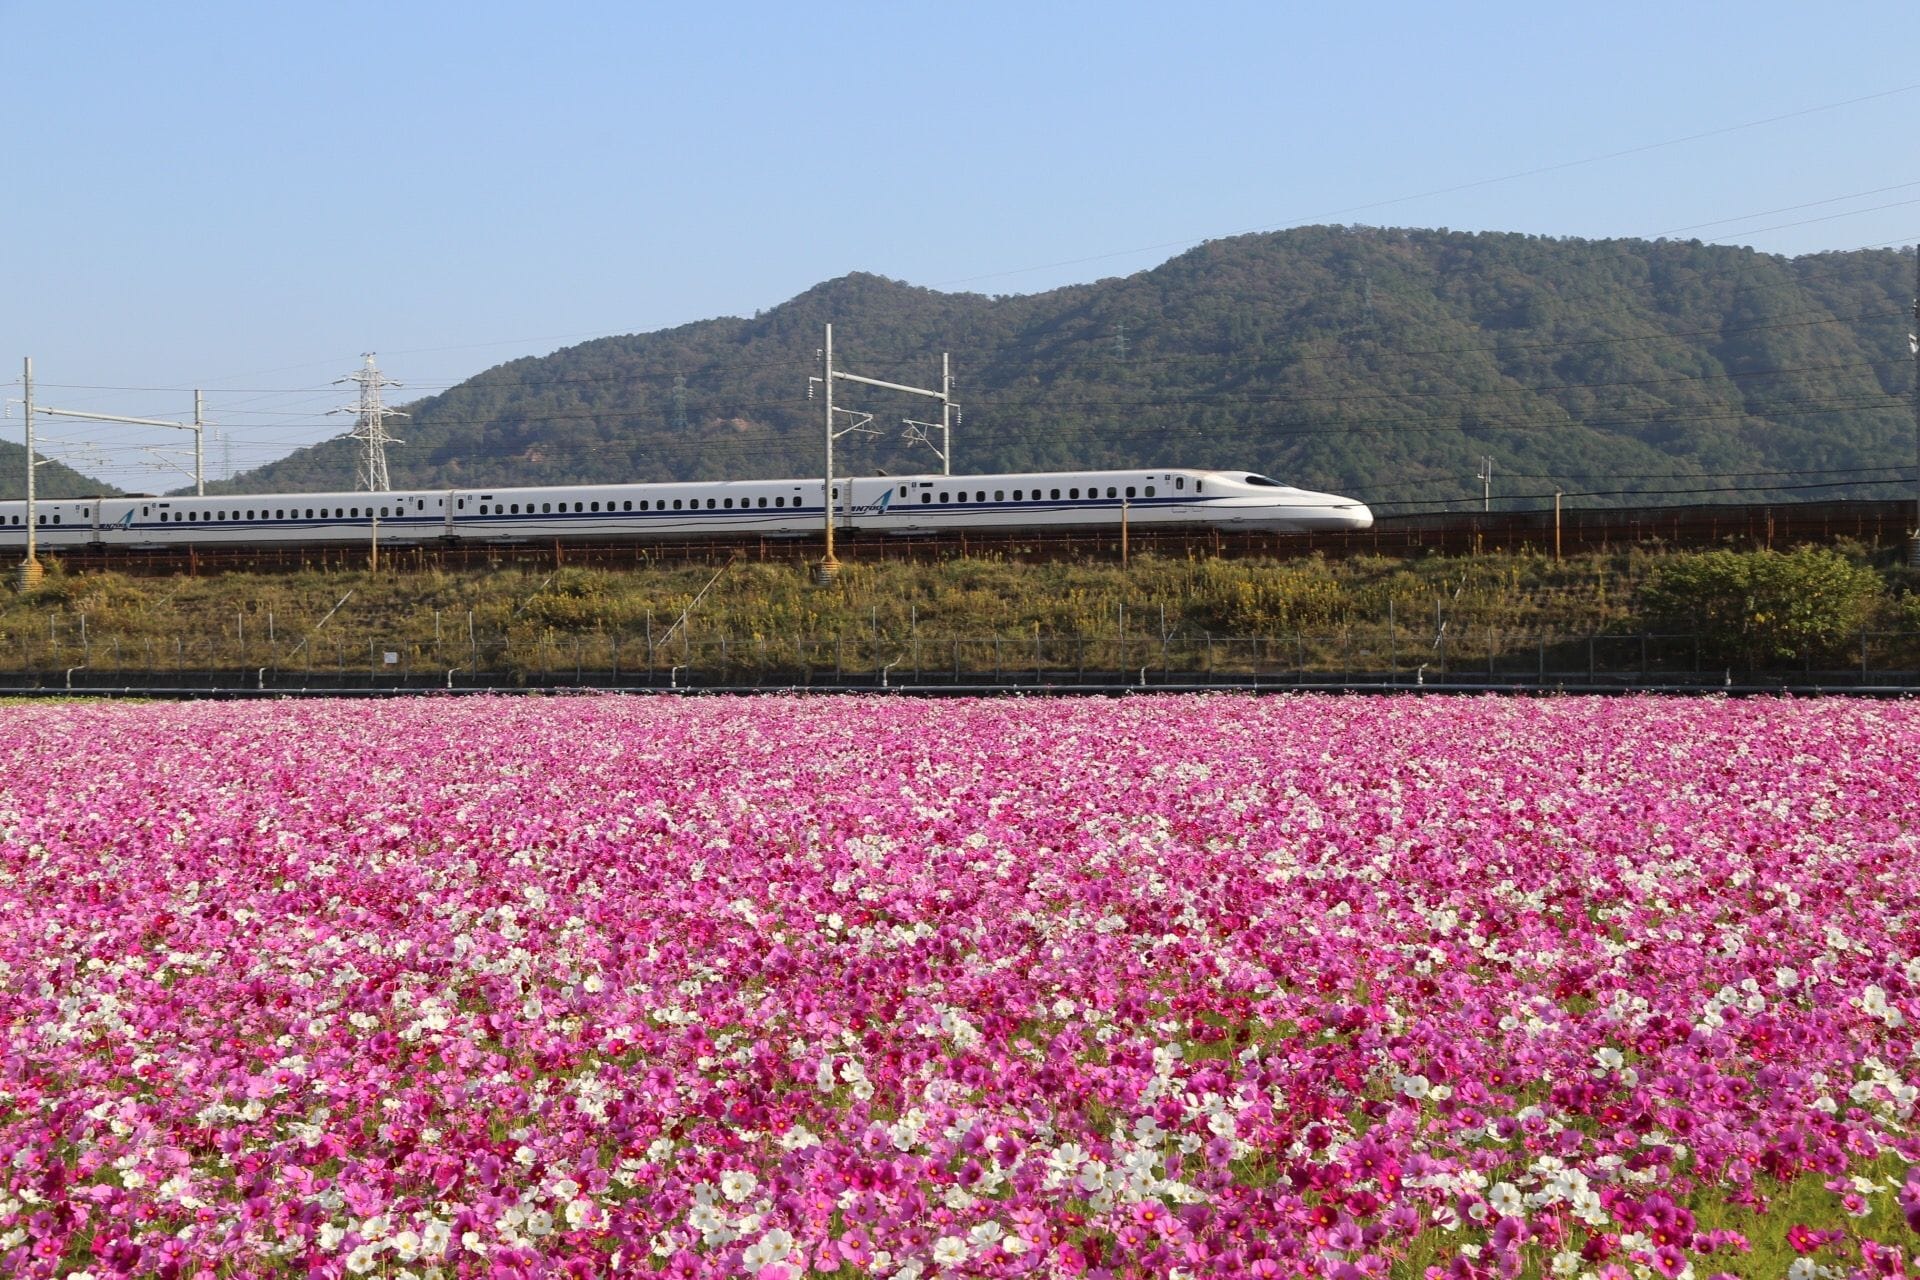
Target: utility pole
column 371, row 430
column 1913, row 346
column 28, row 575
column 1486, row 483
column 828, row 566
column 199, row 445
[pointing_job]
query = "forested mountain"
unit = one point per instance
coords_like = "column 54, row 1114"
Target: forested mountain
column 1376, row 362
column 56, row 479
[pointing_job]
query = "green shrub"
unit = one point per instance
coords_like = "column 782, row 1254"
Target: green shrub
column 1756, row 608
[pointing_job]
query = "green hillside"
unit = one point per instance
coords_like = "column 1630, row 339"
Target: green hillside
column 56, row 479
column 1377, row 362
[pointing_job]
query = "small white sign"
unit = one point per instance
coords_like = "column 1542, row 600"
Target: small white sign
column 392, row 658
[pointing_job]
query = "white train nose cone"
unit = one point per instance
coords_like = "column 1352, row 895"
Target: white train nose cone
column 1357, row 515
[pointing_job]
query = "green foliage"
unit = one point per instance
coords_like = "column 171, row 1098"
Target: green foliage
column 1377, row 362
column 1755, row 608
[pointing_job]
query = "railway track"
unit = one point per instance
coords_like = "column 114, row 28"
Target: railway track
column 1873, row 523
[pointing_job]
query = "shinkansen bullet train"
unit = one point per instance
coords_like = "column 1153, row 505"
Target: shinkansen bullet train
column 1056, row 500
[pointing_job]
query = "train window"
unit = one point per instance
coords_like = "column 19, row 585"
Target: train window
column 926, row 497
column 383, row 512
column 903, row 491
column 1056, row 495
column 729, row 504
column 961, row 496
column 579, row 506
column 981, row 496
column 711, row 504
column 1149, row 491
column 625, row 506
column 1129, row 491
column 763, row 502
column 356, row 512
column 547, row 508
column 676, row 504
column 836, row 491
column 943, row 497
column 643, row 504
column 1199, row 486
column 1179, row 482
column 1019, row 495
column 1073, row 493
column 596, row 506
column 461, row 504
column 1112, row 492
column 1264, row 483
column 218, row 516
column 43, row 519
column 999, row 495
column 516, row 509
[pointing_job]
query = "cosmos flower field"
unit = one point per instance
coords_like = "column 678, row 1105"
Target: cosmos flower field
column 800, row 987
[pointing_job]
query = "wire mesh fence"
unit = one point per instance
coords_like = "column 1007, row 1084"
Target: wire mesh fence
column 454, row 652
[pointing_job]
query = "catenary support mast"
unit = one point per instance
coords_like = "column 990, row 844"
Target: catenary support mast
column 28, row 575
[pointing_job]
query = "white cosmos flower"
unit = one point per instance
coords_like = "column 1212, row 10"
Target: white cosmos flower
column 774, row 1246
column 949, row 1251
column 737, row 1184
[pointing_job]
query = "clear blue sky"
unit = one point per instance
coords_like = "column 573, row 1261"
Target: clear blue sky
column 244, row 197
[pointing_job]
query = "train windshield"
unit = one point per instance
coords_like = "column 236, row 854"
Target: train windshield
column 1265, row 483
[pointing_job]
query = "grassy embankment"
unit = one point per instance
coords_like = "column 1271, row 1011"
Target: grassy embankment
column 970, row 615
